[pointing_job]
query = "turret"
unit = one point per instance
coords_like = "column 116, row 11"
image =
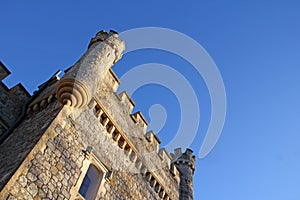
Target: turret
column 79, row 83
column 185, row 163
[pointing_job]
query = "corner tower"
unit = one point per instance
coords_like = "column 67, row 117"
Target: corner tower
column 185, row 163
column 78, row 85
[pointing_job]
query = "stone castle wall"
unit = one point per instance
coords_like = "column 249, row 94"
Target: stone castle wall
column 55, row 159
column 11, row 100
column 16, row 150
column 48, row 155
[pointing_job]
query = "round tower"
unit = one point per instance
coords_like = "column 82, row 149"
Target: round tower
column 79, row 83
column 185, row 163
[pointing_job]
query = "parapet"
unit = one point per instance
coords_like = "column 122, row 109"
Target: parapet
column 152, row 138
column 11, row 100
column 165, row 156
column 115, row 82
column 4, row 72
column 132, row 133
column 184, row 158
column 139, row 119
column 17, row 92
column 126, row 100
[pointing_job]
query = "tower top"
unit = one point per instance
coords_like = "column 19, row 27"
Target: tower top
column 78, row 85
column 103, row 35
column 184, row 158
column 185, row 162
column 112, row 38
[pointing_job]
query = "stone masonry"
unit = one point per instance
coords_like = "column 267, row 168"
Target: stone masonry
column 53, row 140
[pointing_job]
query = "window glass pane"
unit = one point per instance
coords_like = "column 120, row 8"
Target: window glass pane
column 90, row 183
column 84, row 186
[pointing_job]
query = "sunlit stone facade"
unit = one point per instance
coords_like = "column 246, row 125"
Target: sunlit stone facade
column 77, row 138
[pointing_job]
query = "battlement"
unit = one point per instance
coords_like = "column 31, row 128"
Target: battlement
column 115, row 81
column 18, row 92
column 4, row 72
column 152, row 138
column 184, row 158
column 126, row 100
column 160, row 164
column 11, row 101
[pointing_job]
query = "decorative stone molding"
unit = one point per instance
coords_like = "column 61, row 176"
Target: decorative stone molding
column 40, row 104
column 72, row 92
column 156, row 186
column 130, row 151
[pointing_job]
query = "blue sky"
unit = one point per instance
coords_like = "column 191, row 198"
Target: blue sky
column 255, row 44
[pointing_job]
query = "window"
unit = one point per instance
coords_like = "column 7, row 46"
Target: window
column 90, row 183
column 92, row 179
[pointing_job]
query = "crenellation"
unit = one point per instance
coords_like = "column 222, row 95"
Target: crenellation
column 165, row 156
column 153, row 140
column 18, row 92
column 174, row 171
column 122, row 115
column 140, row 120
column 177, row 153
column 4, row 72
column 115, row 81
column 11, row 101
column 124, row 143
column 126, row 101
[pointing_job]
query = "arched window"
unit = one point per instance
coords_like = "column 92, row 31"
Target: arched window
column 90, row 184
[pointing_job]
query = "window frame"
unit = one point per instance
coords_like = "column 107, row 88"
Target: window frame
column 105, row 175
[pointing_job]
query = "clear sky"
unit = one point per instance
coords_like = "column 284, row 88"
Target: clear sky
column 255, row 45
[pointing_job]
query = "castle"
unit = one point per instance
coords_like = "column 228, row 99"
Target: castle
column 77, row 138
